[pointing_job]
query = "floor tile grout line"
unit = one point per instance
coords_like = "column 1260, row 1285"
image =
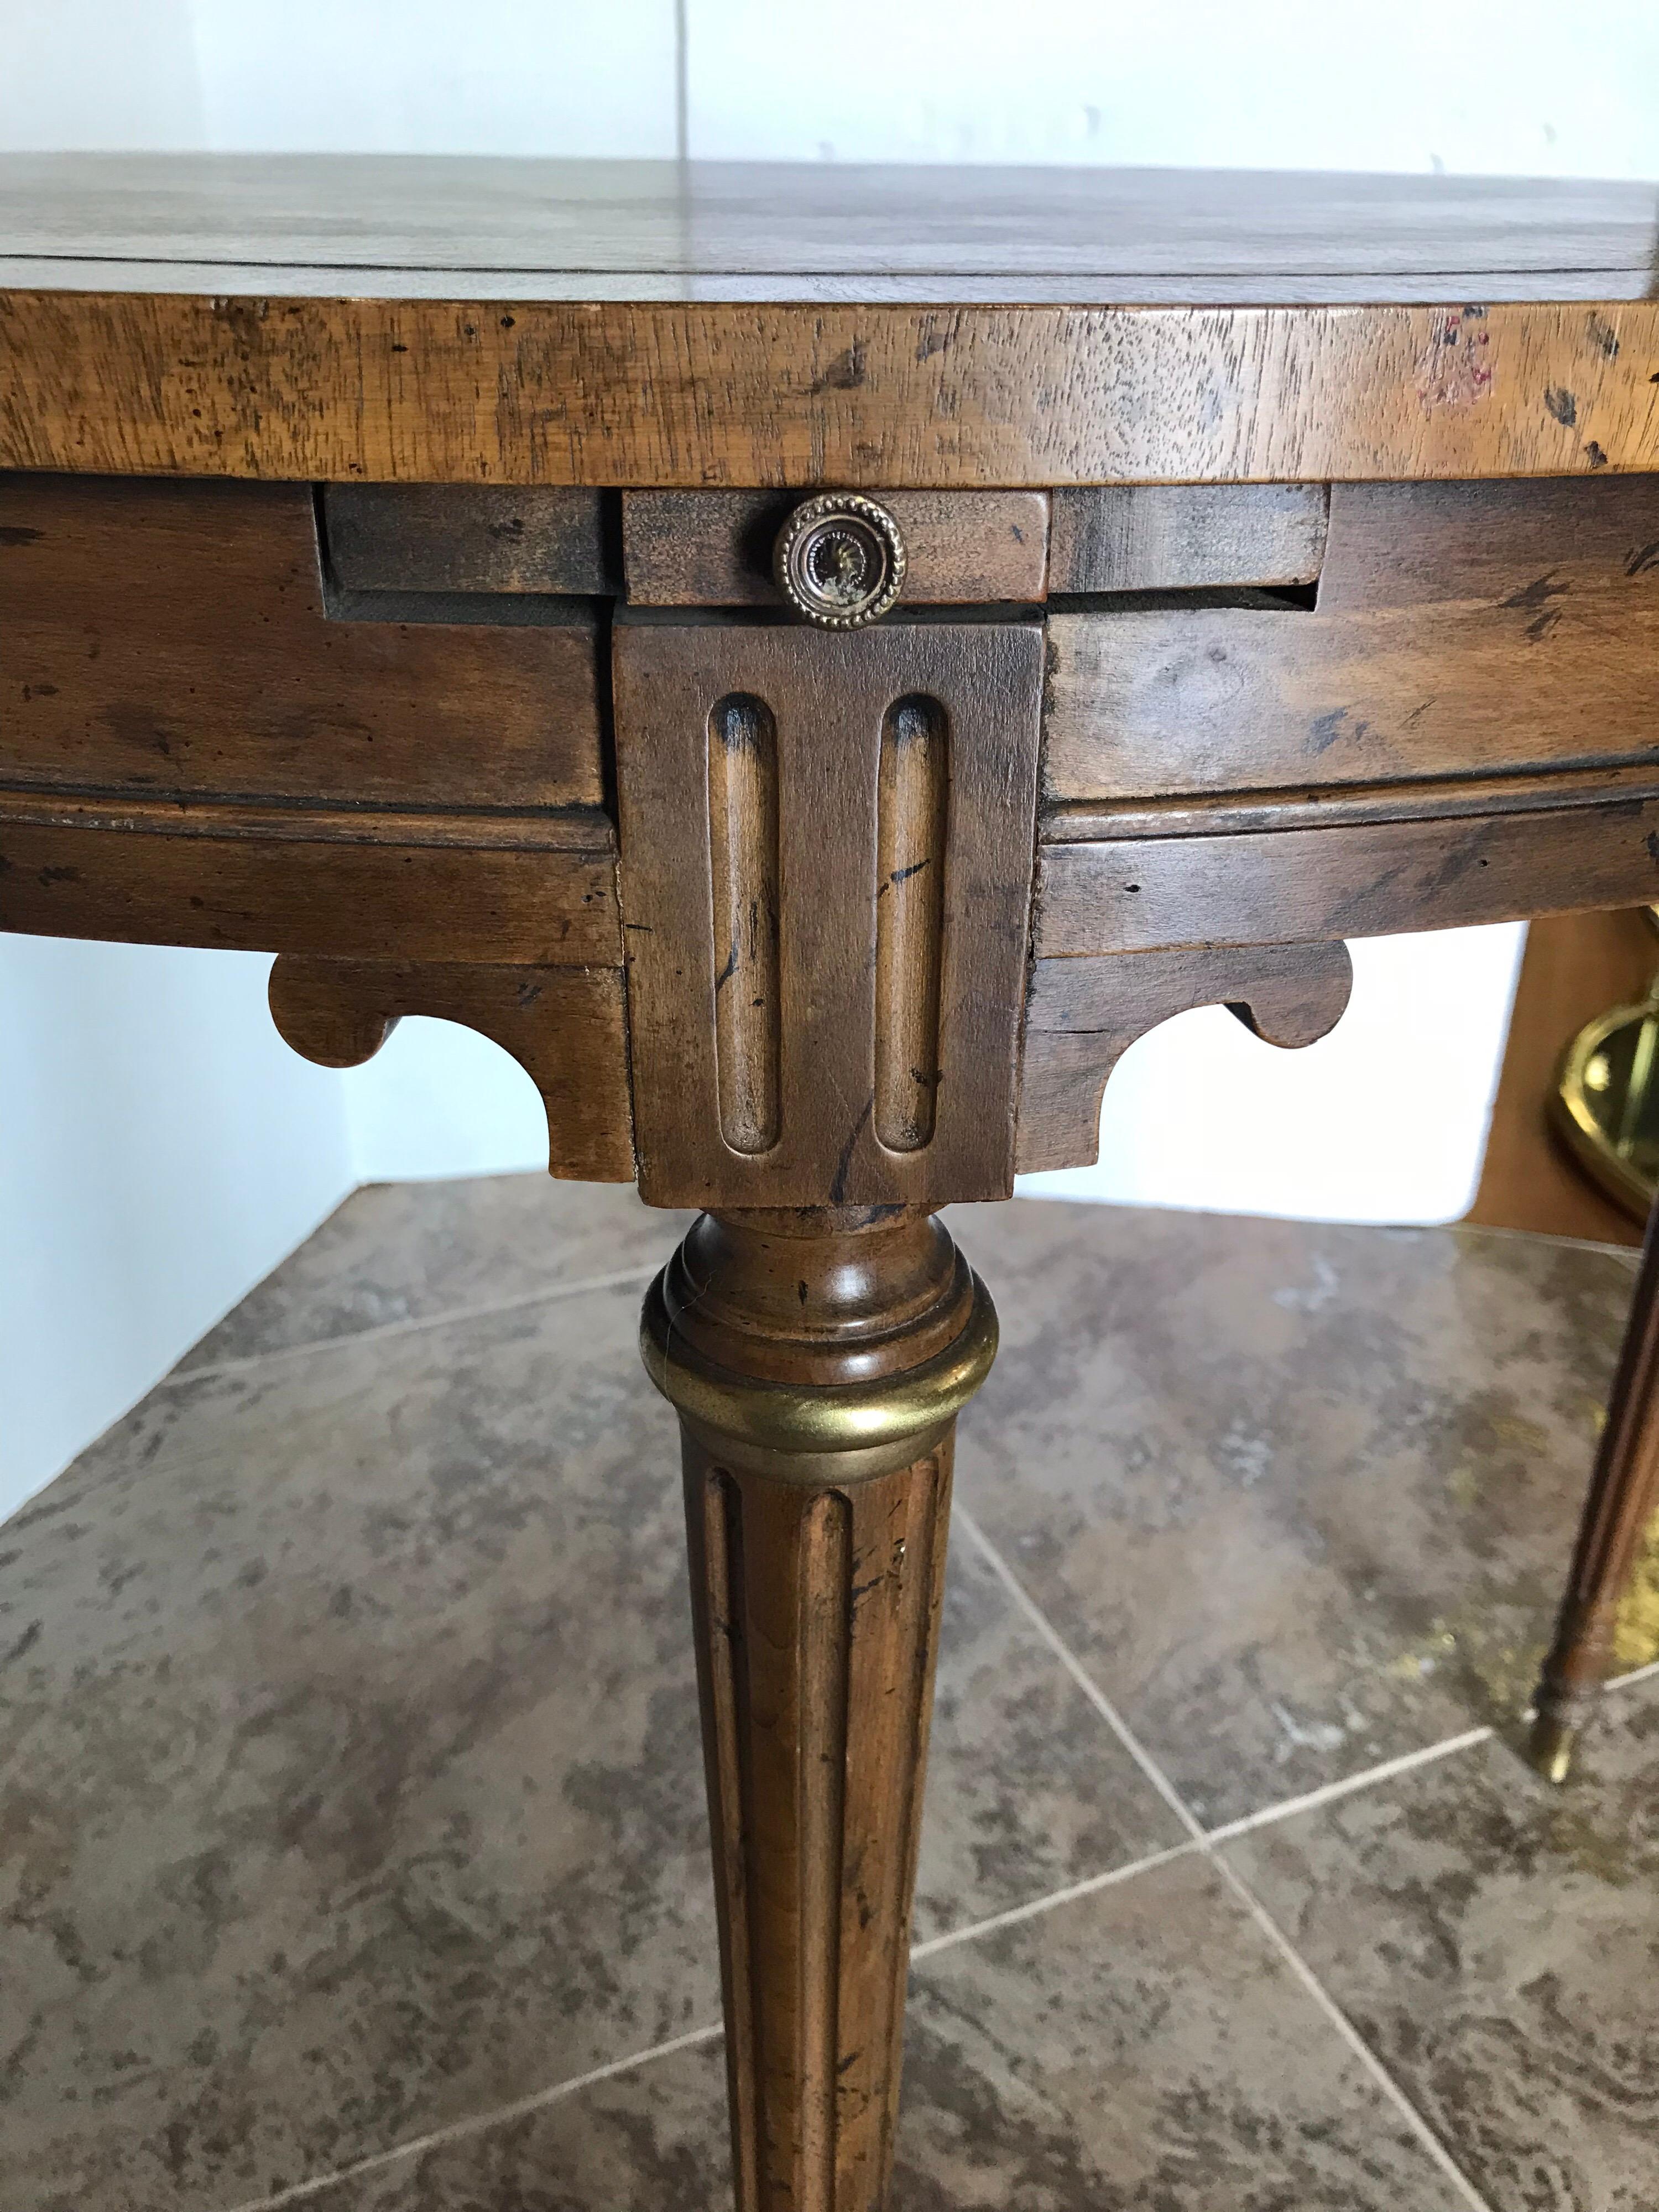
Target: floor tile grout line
column 1630, row 1253
column 1285, row 1809
column 1206, row 1843
column 177, row 1377
column 1091, row 1885
column 476, row 2123
column 1199, row 1842
column 1074, row 1666
column 1406, row 1763
column 1404, row 2104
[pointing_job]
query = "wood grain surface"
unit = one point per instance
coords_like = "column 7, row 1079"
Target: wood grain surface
column 687, row 549
column 1459, row 629
column 782, row 809
column 465, row 538
column 1082, row 1016
column 658, row 394
column 1153, row 538
column 533, row 893
column 1623, row 1498
column 1135, row 895
column 566, row 1027
column 817, row 1580
column 1575, row 966
column 172, row 638
column 818, row 1609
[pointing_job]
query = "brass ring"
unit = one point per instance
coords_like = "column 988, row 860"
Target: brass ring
column 794, row 1417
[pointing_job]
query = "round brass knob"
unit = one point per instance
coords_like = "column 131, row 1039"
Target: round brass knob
column 840, row 560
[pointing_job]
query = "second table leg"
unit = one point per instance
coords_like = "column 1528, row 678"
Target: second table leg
column 1624, row 1497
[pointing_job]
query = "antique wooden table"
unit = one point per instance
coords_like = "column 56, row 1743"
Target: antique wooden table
column 420, row 570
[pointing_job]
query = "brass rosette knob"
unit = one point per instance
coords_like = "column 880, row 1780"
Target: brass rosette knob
column 840, row 560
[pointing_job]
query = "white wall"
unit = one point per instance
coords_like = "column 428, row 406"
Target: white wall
column 1502, row 86
column 1494, row 86
column 158, row 1148
column 1384, row 1119
column 161, row 1150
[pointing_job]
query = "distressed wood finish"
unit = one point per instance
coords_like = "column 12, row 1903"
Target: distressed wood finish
column 1574, row 968
column 816, row 1706
column 783, row 825
column 380, row 758
column 1152, row 537
column 658, row 394
column 172, row 638
column 817, row 1580
column 566, row 1027
column 1460, row 627
column 660, row 324
column 465, row 538
column 1082, row 1016
column 1623, row 1498
column 533, row 894
column 1369, row 880
column 689, row 549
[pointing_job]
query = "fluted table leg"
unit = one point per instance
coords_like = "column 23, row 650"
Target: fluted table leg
column 817, row 1360
column 1624, row 1497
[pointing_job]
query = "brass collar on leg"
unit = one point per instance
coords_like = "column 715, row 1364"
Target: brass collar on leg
column 782, row 1427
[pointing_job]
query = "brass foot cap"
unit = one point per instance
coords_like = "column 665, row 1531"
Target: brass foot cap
column 1551, row 1745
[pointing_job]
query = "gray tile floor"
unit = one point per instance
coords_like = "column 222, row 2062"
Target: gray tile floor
column 351, row 1839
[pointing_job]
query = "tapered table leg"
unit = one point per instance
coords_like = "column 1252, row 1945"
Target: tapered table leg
column 1624, row 1497
column 817, row 1360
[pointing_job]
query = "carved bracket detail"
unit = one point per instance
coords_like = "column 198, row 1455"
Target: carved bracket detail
column 566, row 1027
column 1082, row 1015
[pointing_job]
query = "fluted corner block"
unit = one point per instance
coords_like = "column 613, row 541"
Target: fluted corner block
column 817, row 1361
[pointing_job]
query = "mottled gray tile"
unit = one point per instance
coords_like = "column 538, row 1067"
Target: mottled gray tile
column 1497, row 1943
column 1141, row 2050
column 352, row 1781
column 351, row 1778
column 1029, row 1790
column 405, row 1251
column 651, row 2140
column 1301, row 1497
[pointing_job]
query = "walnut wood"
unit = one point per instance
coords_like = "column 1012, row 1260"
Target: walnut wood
column 1349, row 806
column 1082, row 1016
column 208, row 736
column 804, row 712
column 744, row 901
column 565, row 1026
column 816, row 1581
column 658, row 394
column 464, row 537
column 685, row 549
column 1459, row 628
column 1623, row 1498
column 913, row 822
column 1150, row 538
column 816, row 1615
column 1574, row 967
column 290, row 880
column 171, row 637
column 1142, row 894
